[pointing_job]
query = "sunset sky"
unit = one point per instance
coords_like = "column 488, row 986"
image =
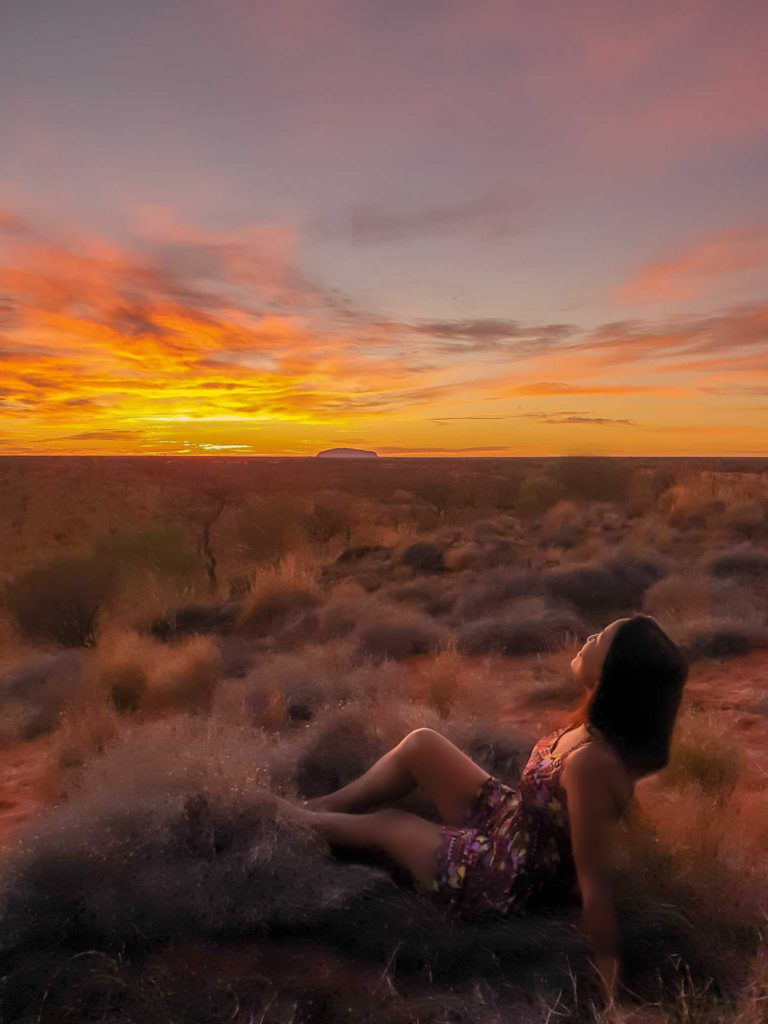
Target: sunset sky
column 449, row 227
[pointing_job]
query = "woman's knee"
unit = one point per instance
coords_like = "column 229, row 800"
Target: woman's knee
column 421, row 743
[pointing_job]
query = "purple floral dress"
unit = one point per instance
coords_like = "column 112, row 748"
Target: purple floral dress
column 513, row 841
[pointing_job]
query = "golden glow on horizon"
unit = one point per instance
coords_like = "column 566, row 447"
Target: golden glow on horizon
column 106, row 352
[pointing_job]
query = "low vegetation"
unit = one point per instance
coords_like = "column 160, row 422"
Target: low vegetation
column 280, row 632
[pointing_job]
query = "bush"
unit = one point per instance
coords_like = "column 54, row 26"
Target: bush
column 482, row 593
column 193, row 869
column 267, row 530
column 60, row 602
column 135, row 672
column 745, row 561
column 693, row 595
column 563, row 524
column 536, row 494
column 591, row 478
column 423, row 557
column 33, row 694
column 276, row 599
column 433, row 595
column 725, row 638
column 398, row 635
column 165, row 552
column 197, row 618
column 617, row 584
column 531, row 636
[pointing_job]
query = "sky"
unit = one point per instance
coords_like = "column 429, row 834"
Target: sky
column 433, row 227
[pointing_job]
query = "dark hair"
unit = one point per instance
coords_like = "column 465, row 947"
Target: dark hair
column 636, row 700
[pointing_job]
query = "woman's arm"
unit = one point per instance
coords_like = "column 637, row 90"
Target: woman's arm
column 592, row 811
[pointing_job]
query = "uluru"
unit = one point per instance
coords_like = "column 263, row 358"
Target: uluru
column 346, row 453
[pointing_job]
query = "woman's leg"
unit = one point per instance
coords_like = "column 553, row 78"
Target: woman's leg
column 424, row 758
column 407, row 839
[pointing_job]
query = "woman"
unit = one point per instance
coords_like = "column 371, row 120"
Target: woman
column 499, row 845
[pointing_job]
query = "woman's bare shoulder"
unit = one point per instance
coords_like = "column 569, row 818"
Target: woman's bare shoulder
column 598, row 767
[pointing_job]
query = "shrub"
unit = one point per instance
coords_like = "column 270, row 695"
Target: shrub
column 278, row 597
column 489, row 553
column 197, row 618
column 165, row 552
column 693, row 595
column 724, row 638
column 433, row 595
column 327, row 521
column 509, row 637
column 34, row 693
column 562, row 524
column 593, row 478
column 423, row 557
column 748, row 519
column 195, row 847
column 266, row 530
column 536, row 494
column 616, row 584
column 745, row 561
column 396, row 635
column 135, row 672
column 481, row 593
column 60, row 602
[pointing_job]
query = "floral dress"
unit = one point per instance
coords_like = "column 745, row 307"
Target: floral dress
column 513, row 842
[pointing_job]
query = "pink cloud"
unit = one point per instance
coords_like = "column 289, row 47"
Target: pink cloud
column 688, row 273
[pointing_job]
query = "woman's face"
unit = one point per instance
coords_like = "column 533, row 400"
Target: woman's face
column 588, row 663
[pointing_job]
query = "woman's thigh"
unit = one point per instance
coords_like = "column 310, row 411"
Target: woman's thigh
column 408, row 840
column 446, row 774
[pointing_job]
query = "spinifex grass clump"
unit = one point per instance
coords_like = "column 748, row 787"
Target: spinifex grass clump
column 172, row 840
column 703, row 756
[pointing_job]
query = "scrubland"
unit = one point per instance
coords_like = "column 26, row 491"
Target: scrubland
column 181, row 639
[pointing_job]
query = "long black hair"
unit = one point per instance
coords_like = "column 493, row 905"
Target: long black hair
column 636, row 700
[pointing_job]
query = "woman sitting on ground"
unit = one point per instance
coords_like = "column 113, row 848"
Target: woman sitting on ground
column 498, row 844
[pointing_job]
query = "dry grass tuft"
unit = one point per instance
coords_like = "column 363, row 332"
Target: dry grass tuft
column 136, row 672
column 703, row 756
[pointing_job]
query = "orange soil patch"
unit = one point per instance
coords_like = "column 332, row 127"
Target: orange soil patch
column 24, row 783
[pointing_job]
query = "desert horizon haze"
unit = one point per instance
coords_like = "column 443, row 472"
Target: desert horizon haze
column 422, row 229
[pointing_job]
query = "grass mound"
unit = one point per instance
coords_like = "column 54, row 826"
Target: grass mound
column 99, row 901
column 524, row 636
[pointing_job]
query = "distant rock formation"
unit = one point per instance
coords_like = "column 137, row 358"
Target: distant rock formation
column 346, row 453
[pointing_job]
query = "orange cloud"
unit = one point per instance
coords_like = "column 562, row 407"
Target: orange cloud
column 687, row 273
column 201, row 342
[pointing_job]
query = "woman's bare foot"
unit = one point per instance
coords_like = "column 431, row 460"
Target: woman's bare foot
column 318, row 804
